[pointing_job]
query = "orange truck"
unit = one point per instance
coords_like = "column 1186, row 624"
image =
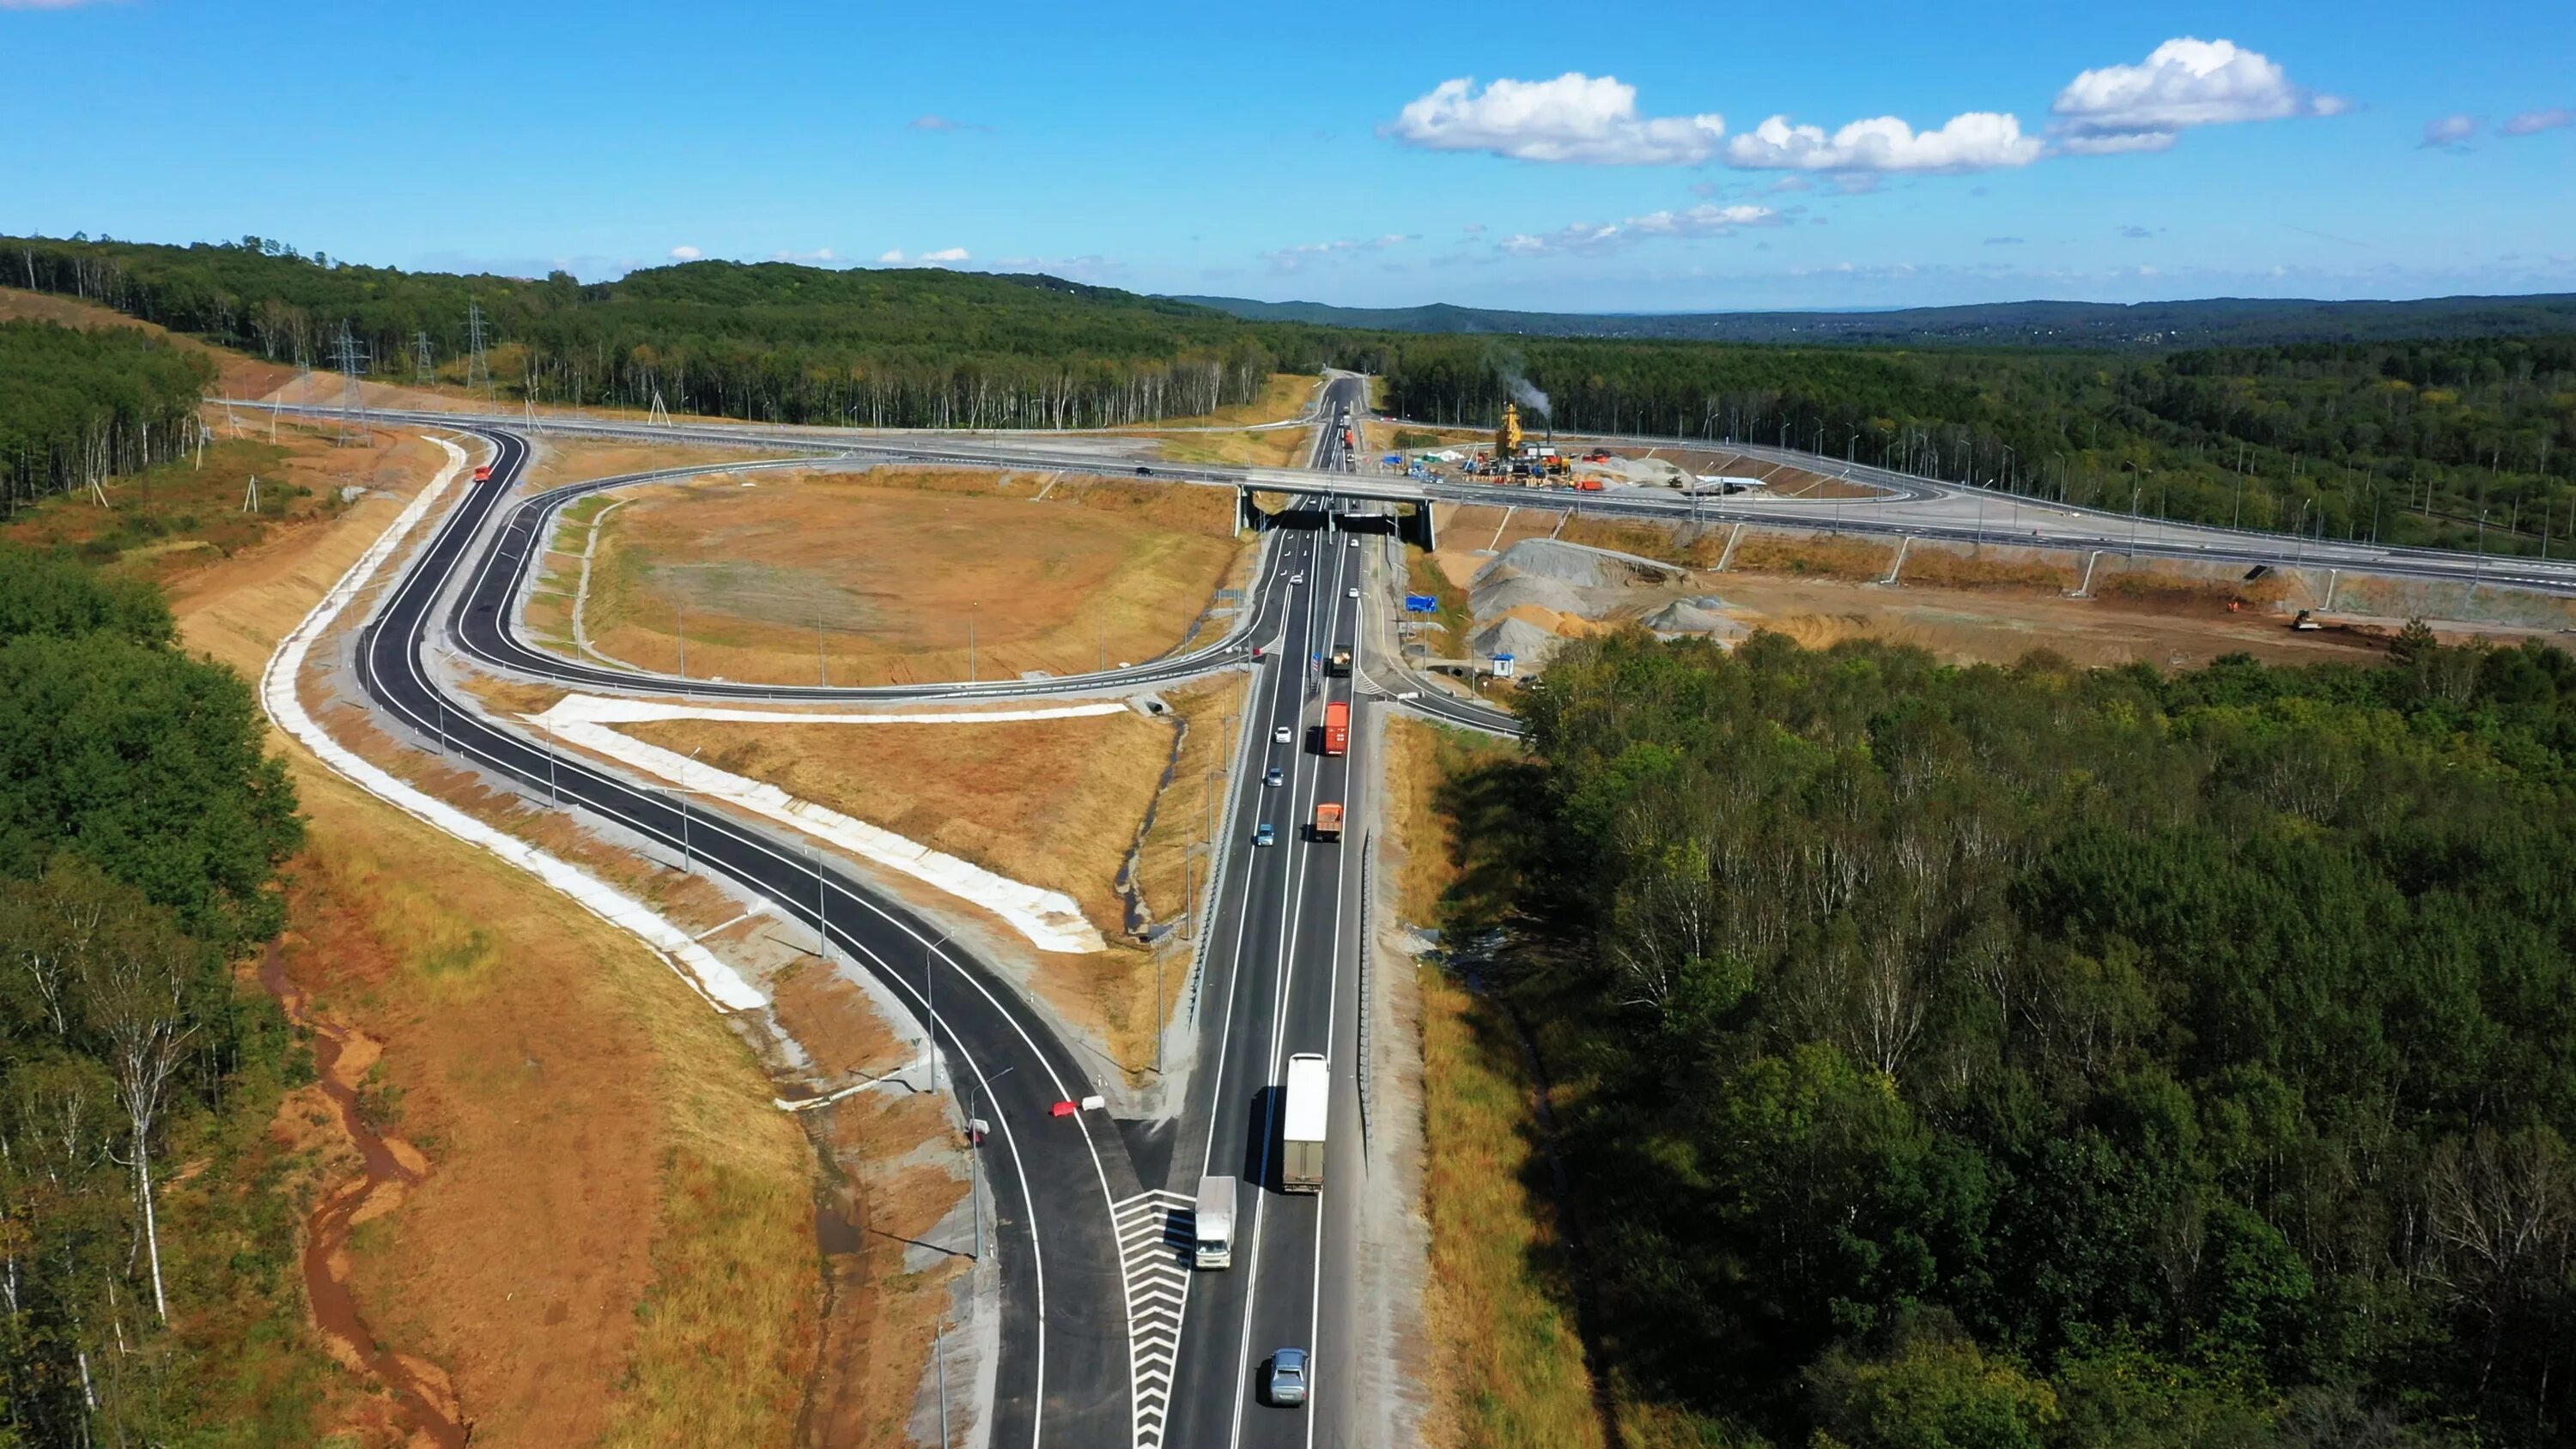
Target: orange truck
column 1328, row 820
column 1337, row 728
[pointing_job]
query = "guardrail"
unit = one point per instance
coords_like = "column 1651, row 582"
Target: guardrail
column 1368, row 925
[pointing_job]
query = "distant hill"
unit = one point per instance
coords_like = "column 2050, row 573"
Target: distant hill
column 2217, row 321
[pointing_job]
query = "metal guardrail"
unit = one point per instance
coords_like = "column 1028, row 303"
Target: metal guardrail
column 1368, row 923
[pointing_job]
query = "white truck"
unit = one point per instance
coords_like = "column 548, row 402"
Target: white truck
column 1301, row 1126
column 1214, row 1228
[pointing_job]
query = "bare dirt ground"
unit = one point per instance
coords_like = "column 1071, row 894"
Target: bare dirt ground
column 900, row 576
column 1054, row 803
column 578, row 460
column 1286, row 398
column 1979, row 625
column 1968, row 605
column 595, row 1225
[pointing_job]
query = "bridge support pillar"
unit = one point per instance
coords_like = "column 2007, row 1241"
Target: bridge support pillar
column 1416, row 527
column 1246, row 516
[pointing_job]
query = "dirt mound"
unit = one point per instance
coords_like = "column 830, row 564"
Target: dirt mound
column 1564, row 562
column 1529, row 645
column 1504, row 590
column 1696, row 616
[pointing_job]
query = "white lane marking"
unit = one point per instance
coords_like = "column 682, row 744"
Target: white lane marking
column 415, row 577
column 1332, row 1005
column 1291, row 915
column 1153, row 1244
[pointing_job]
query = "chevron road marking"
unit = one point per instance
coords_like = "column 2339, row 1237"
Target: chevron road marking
column 1154, row 1238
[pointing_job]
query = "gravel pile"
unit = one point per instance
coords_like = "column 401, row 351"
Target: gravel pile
column 1696, row 616
column 1501, row 591
column 1564, row 562
column 1529, row 645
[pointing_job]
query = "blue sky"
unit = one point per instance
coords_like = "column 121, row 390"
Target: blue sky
column 1609, row 156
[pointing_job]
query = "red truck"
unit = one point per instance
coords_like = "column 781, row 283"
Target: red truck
column 1328, row 821
column 1337, row 729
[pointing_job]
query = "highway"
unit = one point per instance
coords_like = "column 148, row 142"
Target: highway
column 1906, row 505
column 1281, row 978
column 1066, row 1367
column 488, row 628
column 1103, row 1334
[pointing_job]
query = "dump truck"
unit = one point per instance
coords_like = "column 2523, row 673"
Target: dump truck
column 1337, row 728
column 1301, row 1126
column 1214, row 1225
column 1340, row 665
column 1328, row 820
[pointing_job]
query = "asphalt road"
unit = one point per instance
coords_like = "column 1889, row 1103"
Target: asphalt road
column 1281, row 979
column 1918, row 507
column 486, row 628
column 1065, row 1369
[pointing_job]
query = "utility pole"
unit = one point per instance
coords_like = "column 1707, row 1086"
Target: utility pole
column 682, row 601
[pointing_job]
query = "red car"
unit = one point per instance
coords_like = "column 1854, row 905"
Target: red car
column 483, row 474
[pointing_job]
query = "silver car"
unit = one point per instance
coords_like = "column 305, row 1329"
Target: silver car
column 1287, row 1383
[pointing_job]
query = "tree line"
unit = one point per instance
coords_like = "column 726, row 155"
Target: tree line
column 78, row 407
column 773, row 342
column 2462, row 442
column 2051, row 1057
column 2466, row 443
column 141, row 832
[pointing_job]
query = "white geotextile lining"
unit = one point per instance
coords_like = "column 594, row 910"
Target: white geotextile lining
column 720, row 983
column 1050, row 919
column 597, row 709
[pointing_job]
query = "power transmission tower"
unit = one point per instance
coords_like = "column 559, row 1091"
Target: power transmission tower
column 661, row 416
column 351, row 354
column 422, row 369
column 250, row 495
column 476, row 361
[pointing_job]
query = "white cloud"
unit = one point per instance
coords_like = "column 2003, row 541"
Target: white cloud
column 946, row 255
column 686, row 254
column 935, row 123
column 892, row 257
column 1594, row 237
column 1975, row 141
column 2532, row 123
column 1293, row 259
column 2449, row 133
column 2185, row 82
column 1575, row 117
column 819, row 255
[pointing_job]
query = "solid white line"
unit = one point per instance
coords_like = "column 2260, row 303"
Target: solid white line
column 1292, row 914
column 417, row 576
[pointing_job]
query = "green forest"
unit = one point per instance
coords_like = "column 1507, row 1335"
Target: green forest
column 2451, row 441
column 146, row 1255
column 2462, row 443
column 78, row 407
column 773, row 342
column 2050, row 1057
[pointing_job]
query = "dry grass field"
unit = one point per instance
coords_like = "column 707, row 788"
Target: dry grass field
column 901, row 576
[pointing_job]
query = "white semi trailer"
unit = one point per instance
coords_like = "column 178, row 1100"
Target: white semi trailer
column 1301, row 1126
